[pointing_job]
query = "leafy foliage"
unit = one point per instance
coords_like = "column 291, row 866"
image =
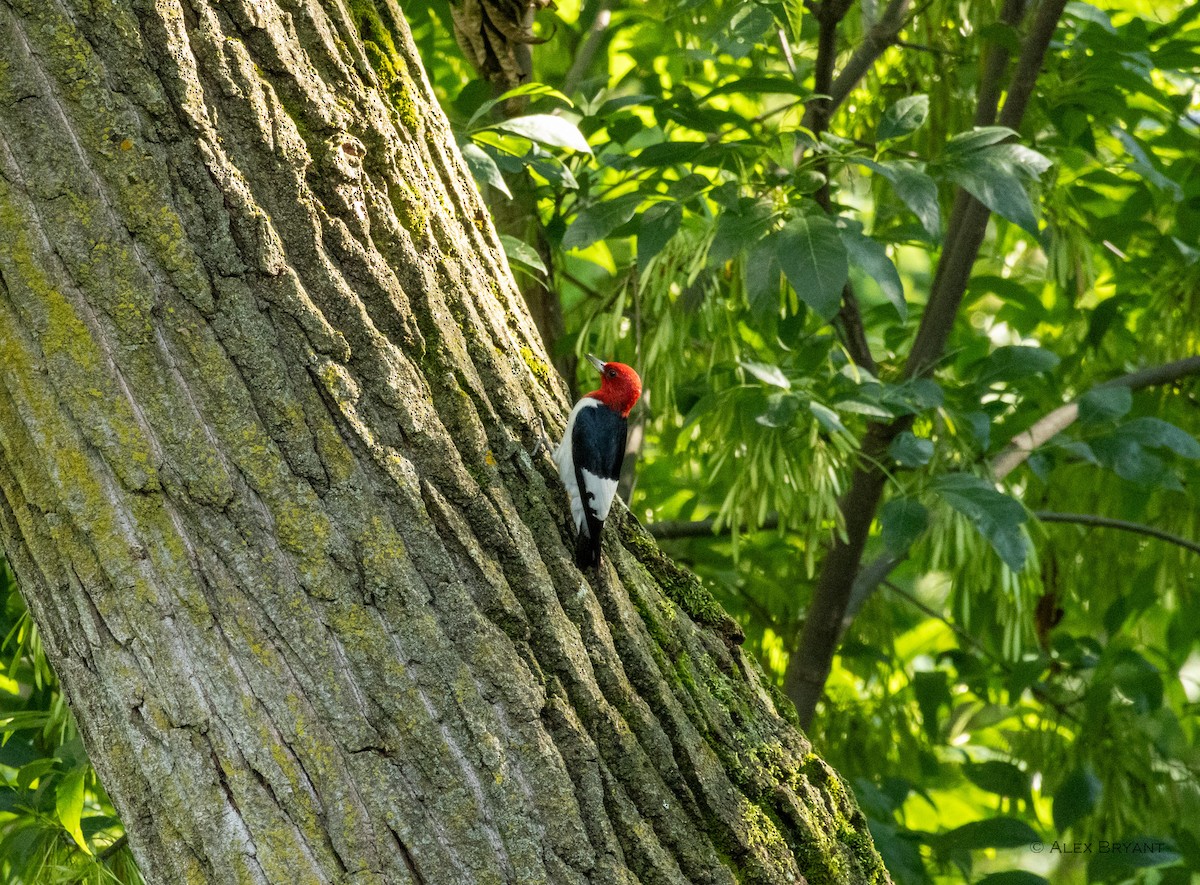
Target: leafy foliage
column 56, row 822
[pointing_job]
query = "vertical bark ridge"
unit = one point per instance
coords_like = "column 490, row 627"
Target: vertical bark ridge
column 265, row 391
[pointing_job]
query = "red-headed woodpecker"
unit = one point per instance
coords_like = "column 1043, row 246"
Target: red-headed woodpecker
column 592, row 449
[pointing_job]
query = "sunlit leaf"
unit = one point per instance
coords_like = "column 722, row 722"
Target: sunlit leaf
column 598, row 221
column 546, row 129
column 69, row 804
column 522, row 253
column 772, row 375
column 532, row 90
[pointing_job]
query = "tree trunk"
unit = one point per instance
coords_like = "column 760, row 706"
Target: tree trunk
column 267, row 390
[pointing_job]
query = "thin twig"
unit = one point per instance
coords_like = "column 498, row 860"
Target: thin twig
column 589, row 48
column 113, row 849
column 1044, row 429
column 1138, row 528
column 1021, row 447
column 971, row 642
column 874, row 43
column 788, row 58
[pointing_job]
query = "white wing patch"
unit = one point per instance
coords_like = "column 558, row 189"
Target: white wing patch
column 602, row 492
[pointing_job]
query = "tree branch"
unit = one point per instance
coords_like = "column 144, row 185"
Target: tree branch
column 1017, row 451
column 1137, row 528
column 994, row 63
column 1024, row 444
column 968, row 222
column 881, row 35
column 816, row 117
column 589, row 48
column 808, row 666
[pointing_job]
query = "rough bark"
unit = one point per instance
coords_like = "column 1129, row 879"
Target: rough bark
column 265, row 398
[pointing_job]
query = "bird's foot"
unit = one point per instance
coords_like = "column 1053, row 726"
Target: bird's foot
column 542, row 443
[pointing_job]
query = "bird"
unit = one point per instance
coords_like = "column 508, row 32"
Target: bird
column 591, row 452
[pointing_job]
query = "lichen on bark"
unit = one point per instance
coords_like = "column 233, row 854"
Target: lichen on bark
column 267, row 394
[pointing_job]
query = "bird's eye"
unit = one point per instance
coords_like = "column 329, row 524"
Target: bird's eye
column 612, row 373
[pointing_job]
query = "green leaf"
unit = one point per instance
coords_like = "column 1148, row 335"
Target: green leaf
column 655, row 228
column 762, row 278
column 532, row 89
column 483, row 168
column 781, row 410
column 1158, row 434
column 995, row 184
column 996, row 516
column 69, row 804
column 551, row 169
column 1013, row 877
column 1023, row 160
column 910, row 450
column 813, row 259
column 546, row 129
column 913, row 396
column 772, row 375
column 977, row 139
column 1075, row 797
column 1010, row 363
column 738, row 229
column 903, row 521
column 1127, row 458
column 597, row 222
column 522, row 253
column 827, row 418
column 915, row 188
column 993, row 832
column 1001, row 778
column 1104, row 404
column 932, row 690
column 870, row 256
column 905, row 116
column 31, row 771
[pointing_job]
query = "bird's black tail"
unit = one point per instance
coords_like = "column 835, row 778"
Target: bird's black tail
column 587, row 550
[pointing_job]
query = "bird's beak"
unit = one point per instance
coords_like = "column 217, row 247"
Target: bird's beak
column 597, row 362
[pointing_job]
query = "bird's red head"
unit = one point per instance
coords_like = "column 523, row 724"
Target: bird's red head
column 620, row 386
